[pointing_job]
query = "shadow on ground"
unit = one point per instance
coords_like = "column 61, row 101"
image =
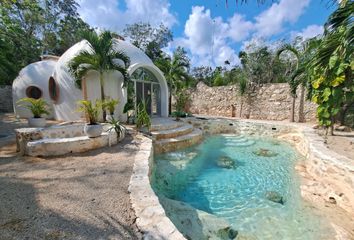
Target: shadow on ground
column 81, row 196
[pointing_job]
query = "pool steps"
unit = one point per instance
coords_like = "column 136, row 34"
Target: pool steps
column 172, row 135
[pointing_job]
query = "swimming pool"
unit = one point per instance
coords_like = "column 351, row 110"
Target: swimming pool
column 248, row 181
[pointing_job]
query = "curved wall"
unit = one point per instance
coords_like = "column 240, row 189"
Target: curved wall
column 36, row 74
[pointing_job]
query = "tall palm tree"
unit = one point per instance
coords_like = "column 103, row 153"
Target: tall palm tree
column 175, row 70
column 300, row 75
column 100, row 57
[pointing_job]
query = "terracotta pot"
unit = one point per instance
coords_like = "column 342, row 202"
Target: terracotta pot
column 93, row 130
column 36, row 122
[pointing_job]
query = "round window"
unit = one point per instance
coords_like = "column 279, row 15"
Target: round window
column 53, row 89
column 33, row 92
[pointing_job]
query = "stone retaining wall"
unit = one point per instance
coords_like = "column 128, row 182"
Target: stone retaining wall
column 6, row 99
column 268, row 102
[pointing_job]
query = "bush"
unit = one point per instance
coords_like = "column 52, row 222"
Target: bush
column 92, row 111
column 38, row 107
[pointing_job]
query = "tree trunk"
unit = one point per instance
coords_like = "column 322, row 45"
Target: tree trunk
column 301, row 104
column 170, row 104
column 241, row 106
column 102, row 97
column 292, row 110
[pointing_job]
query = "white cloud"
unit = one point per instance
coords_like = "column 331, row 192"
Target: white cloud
column 208, row 38
column 240, row 29
column 106, row 13
column 271, row 21
column 308, row 32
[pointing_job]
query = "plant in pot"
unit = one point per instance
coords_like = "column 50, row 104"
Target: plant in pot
column 38, row 107
column 110, row 105
column 142, row 117
column 92, row 111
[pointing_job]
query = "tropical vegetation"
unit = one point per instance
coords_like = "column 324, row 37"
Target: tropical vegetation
column 31, row 28
column 91, row 110
column 38, row 107
column 175, row 69
column 322, row 67
column 101, row 57
column 117, row 126
column 110, row 105
column 142, row 117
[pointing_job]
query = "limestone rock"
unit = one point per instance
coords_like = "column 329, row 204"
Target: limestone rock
column 343, row 128
column 196, row 224
column 274, row 197
column 262, row 152
column 227, row 233
column 226, row 162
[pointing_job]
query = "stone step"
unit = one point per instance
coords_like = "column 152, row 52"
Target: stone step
column 172, row 133
column 172, row 144
column 165, row 126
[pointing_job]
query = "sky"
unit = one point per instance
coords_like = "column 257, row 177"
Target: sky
column 213, row 31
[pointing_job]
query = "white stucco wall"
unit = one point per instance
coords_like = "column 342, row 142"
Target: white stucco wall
column 69, row 94
column 36, row 74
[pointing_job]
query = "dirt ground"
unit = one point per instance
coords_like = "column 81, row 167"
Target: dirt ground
column 341, row 143
column 81, row 196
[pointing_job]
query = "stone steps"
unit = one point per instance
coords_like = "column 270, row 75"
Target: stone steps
column 183, row 141
column 165, row 125
column 172, row 133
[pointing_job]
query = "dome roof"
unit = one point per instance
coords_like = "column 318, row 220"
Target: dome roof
column 135, row 54
column 35, row 75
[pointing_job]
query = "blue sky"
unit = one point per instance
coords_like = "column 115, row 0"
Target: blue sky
column 209, row 30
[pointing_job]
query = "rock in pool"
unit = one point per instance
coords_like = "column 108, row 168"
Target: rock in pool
column 262, row 152
column 226, row 162
column 227, row 233
column 274, row 197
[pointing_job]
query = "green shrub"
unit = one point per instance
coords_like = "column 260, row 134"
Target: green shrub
column 92, row 111
column 117, row 127
column 142, row 117
column 110, row 104
column 38, row 107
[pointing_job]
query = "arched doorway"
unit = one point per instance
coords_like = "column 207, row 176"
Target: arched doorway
column 148, row 89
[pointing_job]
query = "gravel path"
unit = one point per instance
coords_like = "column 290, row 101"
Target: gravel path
column 83, row 196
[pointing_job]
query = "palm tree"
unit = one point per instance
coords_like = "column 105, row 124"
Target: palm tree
column 100, row 57
column 175, row 70
column 300, row 75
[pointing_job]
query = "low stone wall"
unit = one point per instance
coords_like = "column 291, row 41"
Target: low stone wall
column 6, row 99
column 268, row 102
column 151, row 217
column 62, row 139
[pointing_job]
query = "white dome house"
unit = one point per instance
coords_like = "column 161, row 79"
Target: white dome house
column 32, row 82
column 149, row 83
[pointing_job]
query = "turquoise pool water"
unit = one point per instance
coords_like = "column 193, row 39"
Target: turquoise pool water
column 235, row 177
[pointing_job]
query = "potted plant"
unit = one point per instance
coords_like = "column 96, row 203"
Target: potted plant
column 38, row 107
column 110, row 105
column 92, row 128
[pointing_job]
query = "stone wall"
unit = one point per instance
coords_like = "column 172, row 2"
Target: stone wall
column 268, row 102
column 6, row 99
